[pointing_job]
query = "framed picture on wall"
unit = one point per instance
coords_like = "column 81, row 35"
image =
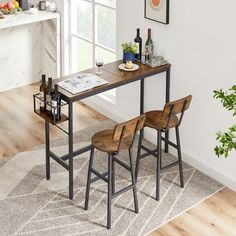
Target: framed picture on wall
column 157, row 10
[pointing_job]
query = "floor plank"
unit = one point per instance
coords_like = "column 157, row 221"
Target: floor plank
column 215, row 216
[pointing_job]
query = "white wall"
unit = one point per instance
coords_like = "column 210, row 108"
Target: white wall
column 200, row 43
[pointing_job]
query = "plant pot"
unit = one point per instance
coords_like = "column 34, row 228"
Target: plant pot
column 128, row 56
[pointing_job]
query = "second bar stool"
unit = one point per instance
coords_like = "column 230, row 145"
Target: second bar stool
column 112, row 141
column 162, row 121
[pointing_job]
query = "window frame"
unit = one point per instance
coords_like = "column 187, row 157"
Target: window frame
column 93, row 42
column 109, row 96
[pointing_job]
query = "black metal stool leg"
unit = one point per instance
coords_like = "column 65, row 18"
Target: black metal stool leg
column 157, row 151
column 109, row 191
column 89, row 178
column 47, row 137
column 179, row 158
column 158, row 165
column 113, row 175
column 138, row 155
column 133, row 182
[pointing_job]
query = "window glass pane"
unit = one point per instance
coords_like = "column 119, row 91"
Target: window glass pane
column 111, row 3
column 105, row 55
column 82, row 18
column 82, row 55
column 106, row 26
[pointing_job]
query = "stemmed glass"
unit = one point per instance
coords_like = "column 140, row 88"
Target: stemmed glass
column 99, row 64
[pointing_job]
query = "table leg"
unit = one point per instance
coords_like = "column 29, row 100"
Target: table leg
column 47, row 141
column 141, row 96
column 70, row 139
column 167, row 100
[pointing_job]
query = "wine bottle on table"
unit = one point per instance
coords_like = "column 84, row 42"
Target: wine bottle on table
column 138, row 41
column 56, row 102
column 49, row 92
column 42, row 94
column 149, row 48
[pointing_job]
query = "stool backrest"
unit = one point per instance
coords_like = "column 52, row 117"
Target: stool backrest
column 176, row 107
column 128, row 130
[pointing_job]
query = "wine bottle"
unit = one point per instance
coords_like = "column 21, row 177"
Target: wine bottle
column 42, row 94
column 49, row 97
column 149, row 48
column 56, row 102
column 138, row 41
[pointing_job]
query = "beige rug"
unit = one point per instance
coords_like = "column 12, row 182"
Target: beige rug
column 31, row 205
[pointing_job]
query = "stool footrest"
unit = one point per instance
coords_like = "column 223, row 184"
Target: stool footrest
column 146, row 154
column 99, row 175
column 122, row 191
column 170, row 165
column 169, row 142
column 122, row 164
column 97, row 178
column 150, row 152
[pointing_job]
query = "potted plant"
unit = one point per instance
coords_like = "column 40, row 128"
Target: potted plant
column 129, row 50
column 227, row 139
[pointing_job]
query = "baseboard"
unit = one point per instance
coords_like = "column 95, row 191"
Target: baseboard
column 110, row 111
column 211, row 172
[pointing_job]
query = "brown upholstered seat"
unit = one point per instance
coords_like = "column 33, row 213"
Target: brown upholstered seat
column 155, row 120
column 103, row 141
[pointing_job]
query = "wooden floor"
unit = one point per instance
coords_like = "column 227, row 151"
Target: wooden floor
column 21, row 130
column 214, row 216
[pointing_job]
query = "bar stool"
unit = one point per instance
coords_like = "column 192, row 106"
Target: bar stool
column 112, row 141
column 162, row 121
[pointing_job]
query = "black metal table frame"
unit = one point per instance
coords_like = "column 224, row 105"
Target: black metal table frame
column 61, row 160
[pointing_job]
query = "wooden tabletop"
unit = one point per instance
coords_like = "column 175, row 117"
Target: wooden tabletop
column 114, row 76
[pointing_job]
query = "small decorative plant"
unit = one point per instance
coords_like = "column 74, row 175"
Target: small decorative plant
column 129, row 50
column 227, row 139
column 129, row 47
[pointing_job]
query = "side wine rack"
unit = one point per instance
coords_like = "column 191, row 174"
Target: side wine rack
column 51, row 119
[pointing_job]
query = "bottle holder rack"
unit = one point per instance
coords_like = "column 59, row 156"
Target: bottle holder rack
column 51, row 119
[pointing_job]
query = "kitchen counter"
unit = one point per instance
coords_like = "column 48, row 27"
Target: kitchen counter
column 23, row 18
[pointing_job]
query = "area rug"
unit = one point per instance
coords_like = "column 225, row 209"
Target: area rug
column 31, row 205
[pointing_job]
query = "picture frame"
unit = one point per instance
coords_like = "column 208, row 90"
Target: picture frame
column 157, row 10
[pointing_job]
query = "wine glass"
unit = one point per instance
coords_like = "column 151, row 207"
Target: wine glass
column 99, row 64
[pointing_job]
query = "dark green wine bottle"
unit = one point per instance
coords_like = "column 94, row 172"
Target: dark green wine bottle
column 149, row 48
column 56, row 102
column 49, row 91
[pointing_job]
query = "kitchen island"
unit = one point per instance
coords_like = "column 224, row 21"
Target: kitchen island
column 29, row 46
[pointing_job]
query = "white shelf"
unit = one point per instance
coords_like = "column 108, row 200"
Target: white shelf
column 23, row 18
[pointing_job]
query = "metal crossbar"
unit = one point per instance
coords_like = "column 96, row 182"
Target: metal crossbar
column 122, row 164
column 99, row 175
column 97, row 178
column 122, row 191
column 169, row 142
column 77, row 152
column 170, row 165
column 59, row 160
column 149, row 151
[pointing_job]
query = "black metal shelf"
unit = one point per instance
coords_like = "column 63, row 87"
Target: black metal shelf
column 51, row 119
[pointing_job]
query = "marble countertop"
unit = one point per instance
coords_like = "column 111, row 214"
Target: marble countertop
column 26, row 17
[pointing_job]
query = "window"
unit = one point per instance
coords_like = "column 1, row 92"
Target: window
column 93, row 33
